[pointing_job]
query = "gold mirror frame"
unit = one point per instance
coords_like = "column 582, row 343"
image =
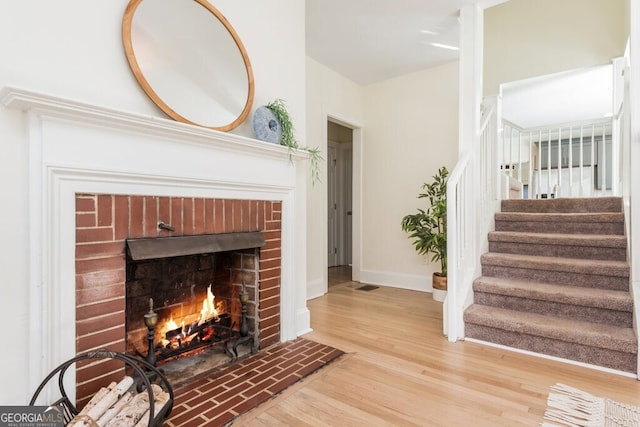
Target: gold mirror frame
column 161, row 96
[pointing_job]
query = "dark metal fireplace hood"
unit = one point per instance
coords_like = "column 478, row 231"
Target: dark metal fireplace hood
column 166, row 247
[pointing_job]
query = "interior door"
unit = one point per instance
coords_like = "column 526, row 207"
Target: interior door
column 345, row 163
column 332, row 204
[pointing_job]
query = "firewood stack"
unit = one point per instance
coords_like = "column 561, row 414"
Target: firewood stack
column 115, row 406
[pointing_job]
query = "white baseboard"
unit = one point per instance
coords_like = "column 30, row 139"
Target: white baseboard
column 303, row 321
column 397, row 280
column 316, row 289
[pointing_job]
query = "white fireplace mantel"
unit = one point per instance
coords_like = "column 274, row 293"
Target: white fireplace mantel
column 76, row 147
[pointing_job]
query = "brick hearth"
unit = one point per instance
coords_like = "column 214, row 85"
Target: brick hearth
column 104, row 222
column 216, row 398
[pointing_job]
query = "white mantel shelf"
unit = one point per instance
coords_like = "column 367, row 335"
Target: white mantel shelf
column 28, row 100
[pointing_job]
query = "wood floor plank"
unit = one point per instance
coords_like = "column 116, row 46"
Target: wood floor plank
column 400, row 370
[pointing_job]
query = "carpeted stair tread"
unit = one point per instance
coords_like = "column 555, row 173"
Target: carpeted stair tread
column 556, row 281
column 608, row 217
column 596, row 335
column 602, row 240
column 585, row 246
column 572, row 265
column 589, row 223
column 574, row 205
column 598, row 298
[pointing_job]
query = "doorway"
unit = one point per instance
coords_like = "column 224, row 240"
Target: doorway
column 339, row 194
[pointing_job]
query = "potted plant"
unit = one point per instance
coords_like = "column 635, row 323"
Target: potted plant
column 428, row 228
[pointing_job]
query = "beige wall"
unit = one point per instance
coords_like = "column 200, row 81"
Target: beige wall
column 328, row 94
column 527, row 38
column 411, row 130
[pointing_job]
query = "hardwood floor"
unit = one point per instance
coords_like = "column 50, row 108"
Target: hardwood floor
column 399, row 370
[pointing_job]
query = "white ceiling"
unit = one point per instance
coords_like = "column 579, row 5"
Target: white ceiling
column 373, row 40
column 369, row 41
column 571, row 96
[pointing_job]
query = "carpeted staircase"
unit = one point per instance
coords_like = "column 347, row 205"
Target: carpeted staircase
column 556, row 281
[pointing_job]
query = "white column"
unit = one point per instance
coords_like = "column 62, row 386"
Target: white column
column 634, row 100
column 470, row 99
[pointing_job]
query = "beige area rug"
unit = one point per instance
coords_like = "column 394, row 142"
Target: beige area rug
column 568, row 406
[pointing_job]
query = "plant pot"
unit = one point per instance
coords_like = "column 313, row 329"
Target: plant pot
column 439, row 284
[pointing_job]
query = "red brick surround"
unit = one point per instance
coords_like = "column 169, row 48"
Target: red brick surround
column 103, row 222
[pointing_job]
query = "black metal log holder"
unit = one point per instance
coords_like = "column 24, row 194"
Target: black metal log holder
column 145, row 374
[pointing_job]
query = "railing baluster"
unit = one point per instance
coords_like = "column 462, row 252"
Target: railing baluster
column 519, row 156
column 549, row 163
column 511, row 153
column 604, row 159
column 594, row 177
column 570, row 165
column 581, row 160
column 559, row 179
column 530, row 180
column 539, row 192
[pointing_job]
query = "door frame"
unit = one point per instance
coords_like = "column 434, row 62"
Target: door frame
column 356, row 196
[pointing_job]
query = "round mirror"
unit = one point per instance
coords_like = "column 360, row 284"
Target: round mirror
column 189, row 60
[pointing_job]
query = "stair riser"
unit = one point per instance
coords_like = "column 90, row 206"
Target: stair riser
column 581, row 353
column 559, row 277
column 568, row 205
column 589, row 314
column 600, row 228
column 564, row 251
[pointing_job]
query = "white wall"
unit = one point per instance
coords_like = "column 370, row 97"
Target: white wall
column 73, row 48
column 411, row 130
column 527, row 38
column 328, row 94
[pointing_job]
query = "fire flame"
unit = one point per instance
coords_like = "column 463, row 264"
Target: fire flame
column 208, row 307
column 172, row 325
column 184, row 333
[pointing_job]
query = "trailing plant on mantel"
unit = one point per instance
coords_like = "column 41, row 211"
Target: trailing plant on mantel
column 279, row 109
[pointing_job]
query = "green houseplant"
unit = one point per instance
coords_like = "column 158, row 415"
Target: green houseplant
column 428, row 228
column 279, row 109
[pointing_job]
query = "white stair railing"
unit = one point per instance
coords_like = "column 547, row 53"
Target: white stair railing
column 563, row 160
column 472, row 200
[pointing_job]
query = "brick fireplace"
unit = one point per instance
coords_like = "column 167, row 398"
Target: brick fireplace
column 104, row 223
column 86, row 162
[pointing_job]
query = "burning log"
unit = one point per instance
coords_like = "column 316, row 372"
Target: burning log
column 173, row 333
